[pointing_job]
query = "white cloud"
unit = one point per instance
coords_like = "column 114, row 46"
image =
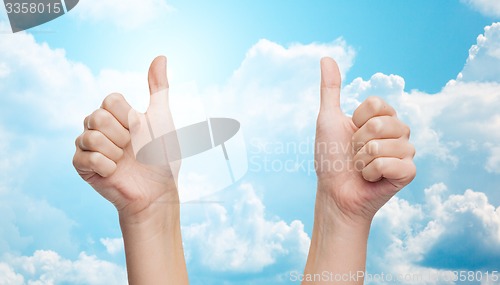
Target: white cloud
column 4, row 70
column 11, row 158
column 483, row 63
column 9, row 277
column 493, row 163
column 241, row 239
column 400, row 215
column 462, row 225
column 442, row 123
column 426, row 239
column 463, row 116
column 457, row 232
column 274, row 85
column 113, row 245
column 486, row 7
column 123, row 13
column 25, row 219
column 419, row 110
column 47, row 267
column 389, row 85
column 491, row 281
column 4, row 17
column 54, row 90
column 274, row 92
column 276, row 88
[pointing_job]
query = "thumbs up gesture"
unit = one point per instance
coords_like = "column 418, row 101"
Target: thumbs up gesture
column 105, row 153
column 145, row 194
column 362, row 161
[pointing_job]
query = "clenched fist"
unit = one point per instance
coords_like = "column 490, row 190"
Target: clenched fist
column 361, row 162
column 105, row 158
column 145, row 195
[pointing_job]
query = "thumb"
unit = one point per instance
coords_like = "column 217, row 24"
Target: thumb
column 158, row 114
column 157, row 75
column 330, row 85
column 158, row 86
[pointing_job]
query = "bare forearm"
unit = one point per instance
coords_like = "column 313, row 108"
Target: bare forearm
column 153, row 248
column 338, row 247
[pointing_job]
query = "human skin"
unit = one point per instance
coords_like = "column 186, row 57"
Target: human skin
column 367, row 159
column 145, row 196
column 347, row 197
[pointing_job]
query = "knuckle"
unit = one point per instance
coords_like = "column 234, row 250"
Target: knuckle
column 374, row 125
column 99, row 119
column 76, row 160
column 86, row 122
column 91, row 139
column 378, row 164
column 115, row 153
column 111, row 100
column 94, row 160
column 123, row 141
column 412, row 171
column 413, row 150
column 77, row 141
column 406, row 130
column 374, row 103
column 85, row 140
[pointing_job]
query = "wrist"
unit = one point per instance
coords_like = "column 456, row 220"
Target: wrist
column 153, row 245
column 329, row 214
column 158, row 219
column 338, row 242
column 331, row 226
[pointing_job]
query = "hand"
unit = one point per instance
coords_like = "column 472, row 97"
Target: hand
column 361, row 161
column 145, row 195
column 105, row 159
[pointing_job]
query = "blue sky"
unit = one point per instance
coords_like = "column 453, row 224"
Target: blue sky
column 437, row 62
